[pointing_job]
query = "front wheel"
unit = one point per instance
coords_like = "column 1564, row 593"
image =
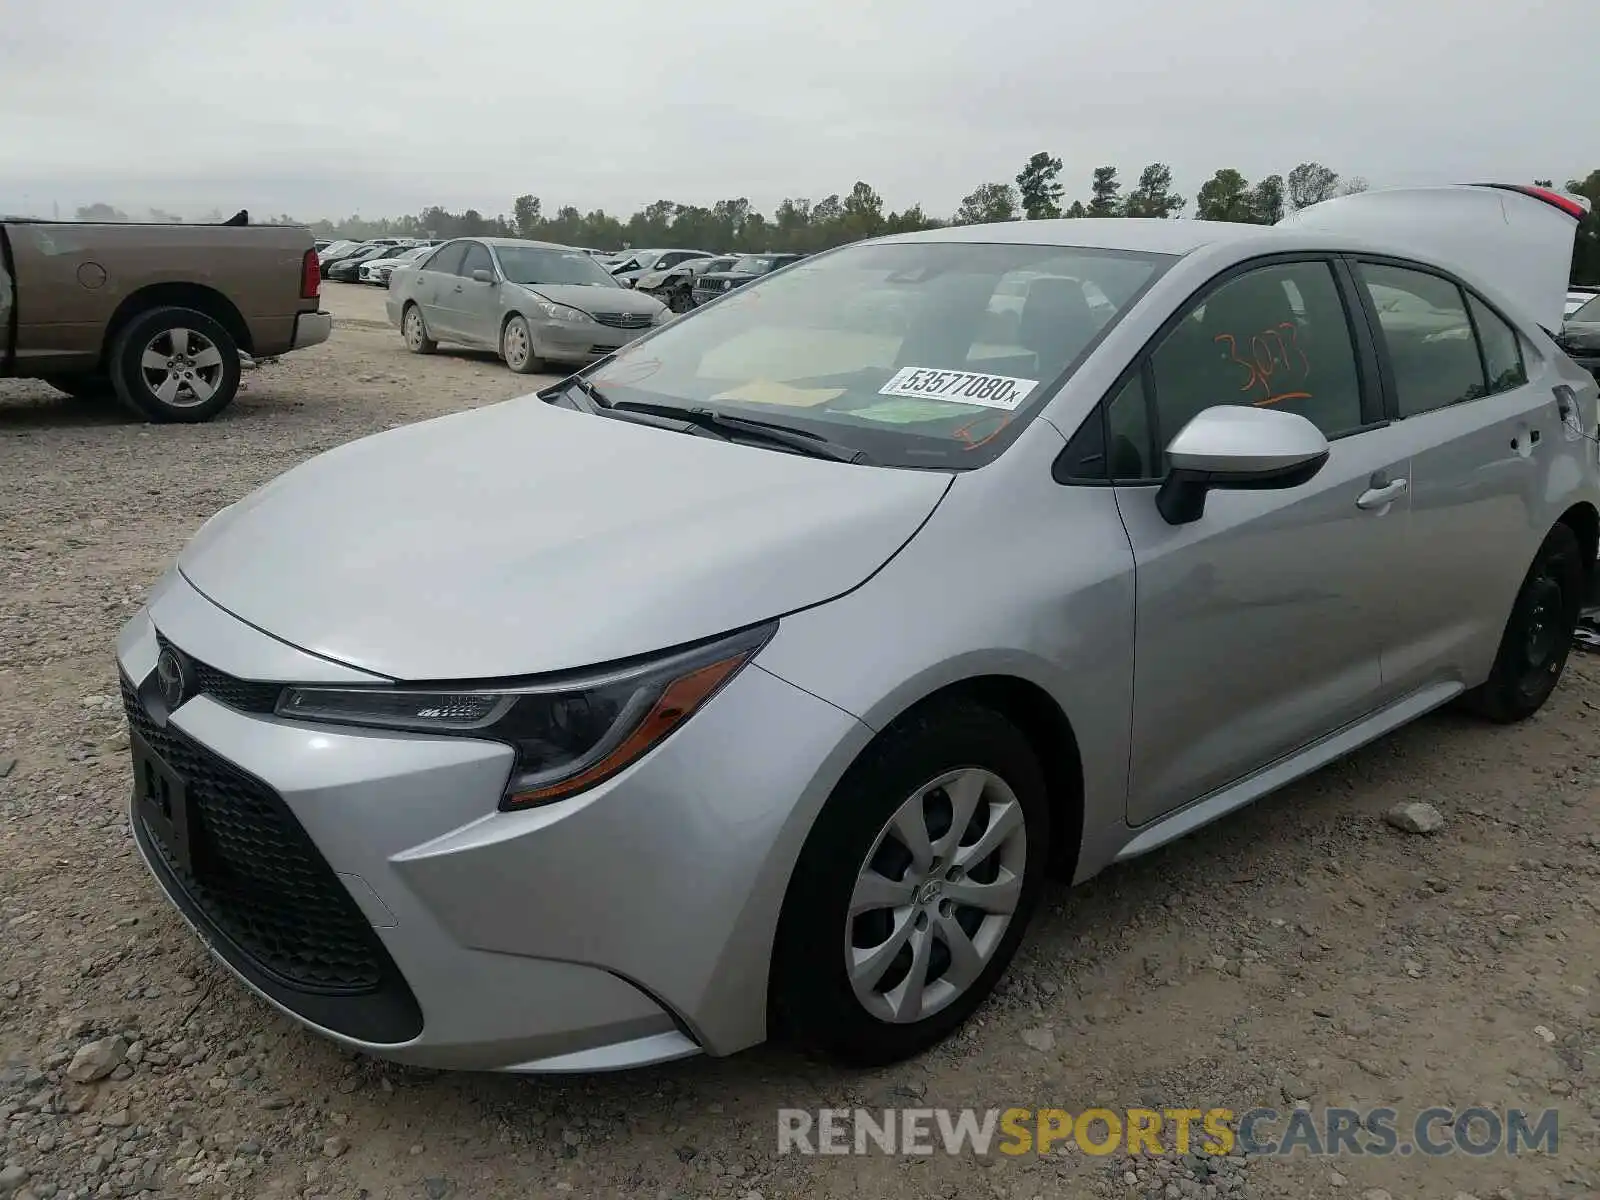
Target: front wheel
column 913, row 889
column 1538, row 635
column 174, row 364
column 516, row 347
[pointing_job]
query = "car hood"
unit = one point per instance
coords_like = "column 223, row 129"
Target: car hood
column 522, row 538
column 597, row 298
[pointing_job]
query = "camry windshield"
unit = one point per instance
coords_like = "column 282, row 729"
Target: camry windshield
column 538, row 264
column 920, row 354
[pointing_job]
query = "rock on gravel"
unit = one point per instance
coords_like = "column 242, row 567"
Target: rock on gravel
column 1414, row 816
column 96, row 1060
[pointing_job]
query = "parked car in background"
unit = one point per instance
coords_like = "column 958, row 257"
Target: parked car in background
column 614, row 724
column 635, row 263
column 377, row 270
column 322, row 244
column 743, row 269
column 532, row 302
column 1578, row 296
column 158, row 315
column 1580, row 335
column 334, row 251
column 674, row 286
column 346, row 269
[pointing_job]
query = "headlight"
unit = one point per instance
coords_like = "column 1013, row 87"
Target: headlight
column 569, row 734
column 560, row 312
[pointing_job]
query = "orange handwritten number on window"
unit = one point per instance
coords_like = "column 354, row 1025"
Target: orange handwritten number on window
column 1233, row 353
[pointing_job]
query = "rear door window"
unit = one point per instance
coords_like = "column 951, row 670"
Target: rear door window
column 1433, row 354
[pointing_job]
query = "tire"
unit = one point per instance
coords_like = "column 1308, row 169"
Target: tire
column 516, row 347
column 415, row 330
column 83, row 387
column 1538, row 636
column 174, row 364
column 903, row 777
column 678, row 301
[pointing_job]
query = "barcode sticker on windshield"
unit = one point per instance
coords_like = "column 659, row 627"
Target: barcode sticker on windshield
column 960, row 387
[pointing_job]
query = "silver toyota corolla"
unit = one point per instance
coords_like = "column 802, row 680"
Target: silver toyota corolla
column 532, row 302
column 750, row 681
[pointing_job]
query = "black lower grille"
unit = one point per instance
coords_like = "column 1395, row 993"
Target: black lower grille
column 276, row 910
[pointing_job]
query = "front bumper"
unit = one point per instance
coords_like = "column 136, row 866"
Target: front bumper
column 311, row 329
column 578, row 341
column 630, row 924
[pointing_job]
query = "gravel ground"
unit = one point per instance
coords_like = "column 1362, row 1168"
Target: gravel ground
column 1303, row 951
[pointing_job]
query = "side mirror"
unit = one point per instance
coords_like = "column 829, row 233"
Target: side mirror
column 482, row 276
column 1231, row 446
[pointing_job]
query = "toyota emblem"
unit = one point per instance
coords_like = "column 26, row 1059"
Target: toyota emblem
column 171, row 678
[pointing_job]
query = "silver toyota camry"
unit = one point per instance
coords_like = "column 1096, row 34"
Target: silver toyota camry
column 751, row 681
column 534, row 303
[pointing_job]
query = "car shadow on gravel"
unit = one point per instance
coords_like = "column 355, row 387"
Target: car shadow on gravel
column 42, row 407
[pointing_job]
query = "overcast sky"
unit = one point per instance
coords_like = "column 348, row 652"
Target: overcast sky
column 383, row 106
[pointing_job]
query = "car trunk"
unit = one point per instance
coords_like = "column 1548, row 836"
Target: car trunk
column 1515, row 239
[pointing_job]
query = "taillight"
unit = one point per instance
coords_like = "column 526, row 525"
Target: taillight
column 310, row 276
column 1571, row 205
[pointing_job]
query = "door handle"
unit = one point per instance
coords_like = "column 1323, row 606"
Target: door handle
column 1383, row 496
column 458, row 287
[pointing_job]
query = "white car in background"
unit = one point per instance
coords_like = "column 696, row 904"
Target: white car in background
column 1577, row 298
column 378, row 270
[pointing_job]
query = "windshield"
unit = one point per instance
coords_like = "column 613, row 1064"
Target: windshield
column 921, row 354
column 1589, row 313
column 539, row 264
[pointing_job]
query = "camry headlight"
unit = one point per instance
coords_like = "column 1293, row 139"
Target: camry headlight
column 561, row 312
column 569, row 733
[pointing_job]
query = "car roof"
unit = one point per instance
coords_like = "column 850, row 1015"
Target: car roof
column 508, row 243
column 1152, row 234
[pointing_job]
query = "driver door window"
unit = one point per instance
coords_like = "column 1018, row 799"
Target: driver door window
column 1276, row 337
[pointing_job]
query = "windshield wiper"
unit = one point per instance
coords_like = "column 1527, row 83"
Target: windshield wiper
column 800, row 440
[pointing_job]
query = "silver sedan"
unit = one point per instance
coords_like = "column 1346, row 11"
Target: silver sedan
column 533, row 303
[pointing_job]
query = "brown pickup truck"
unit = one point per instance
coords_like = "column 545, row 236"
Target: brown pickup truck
column 162, row 316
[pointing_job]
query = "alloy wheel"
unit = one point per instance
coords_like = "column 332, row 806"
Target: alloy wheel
column 181, row 367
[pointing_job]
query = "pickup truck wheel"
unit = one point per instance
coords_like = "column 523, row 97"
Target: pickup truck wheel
column 416, row 332
column 82, row 387
column 175, row 364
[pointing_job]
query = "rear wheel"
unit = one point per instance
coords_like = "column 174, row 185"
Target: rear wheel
column 1538, row 635
column 175, row 364
column 516, row 347
column 914, row 887
column 678, row 300
column 415, row 331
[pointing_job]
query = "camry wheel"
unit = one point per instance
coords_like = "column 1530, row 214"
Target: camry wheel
column 1539, row 633
column 516, row 347
column 415, row 332
column 175, row 364
column 913, row 889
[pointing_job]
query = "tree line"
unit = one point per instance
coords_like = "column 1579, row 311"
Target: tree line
column 1035, row 193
